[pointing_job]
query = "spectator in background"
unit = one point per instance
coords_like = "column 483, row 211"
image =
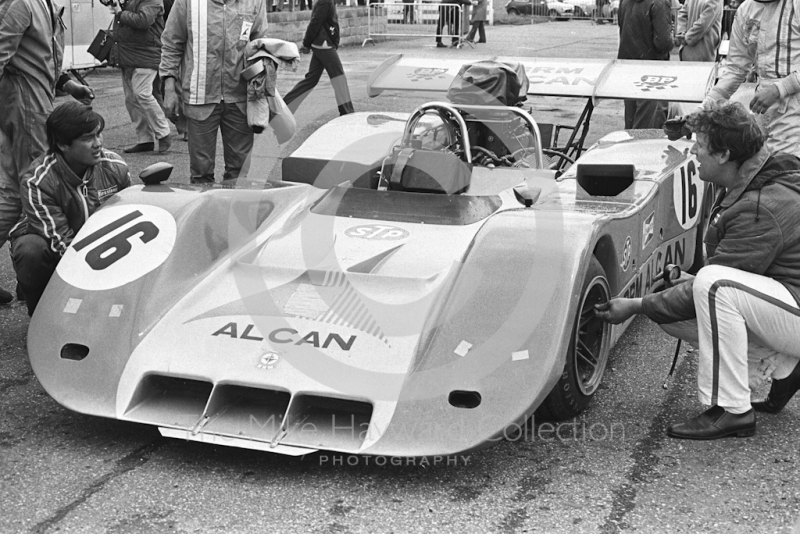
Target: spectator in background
column 408, row 12
column 207, row 62
column 322, row 40
column 645, row 32
column 699, row 25
column 479, row 17
column 60, row 190
column 765, row 38
column 138, row 25
column 450, row 21
column 31, row 54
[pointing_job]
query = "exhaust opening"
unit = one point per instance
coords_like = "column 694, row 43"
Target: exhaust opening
column 74, row 351
column 464, row 399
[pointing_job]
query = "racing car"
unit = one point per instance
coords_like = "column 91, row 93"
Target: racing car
column 417, row 283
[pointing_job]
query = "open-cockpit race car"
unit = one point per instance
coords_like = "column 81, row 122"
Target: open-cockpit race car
column 417, row 284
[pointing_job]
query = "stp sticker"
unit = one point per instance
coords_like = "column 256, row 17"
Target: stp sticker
column 627, row 253
column 118, row 245
column 687, row 193
column 377, row 232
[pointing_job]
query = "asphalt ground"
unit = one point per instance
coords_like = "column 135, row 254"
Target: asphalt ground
column 611, row 470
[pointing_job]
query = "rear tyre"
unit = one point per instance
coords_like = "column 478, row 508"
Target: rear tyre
column 587, row 353
column 553, row 14
column 579, row 12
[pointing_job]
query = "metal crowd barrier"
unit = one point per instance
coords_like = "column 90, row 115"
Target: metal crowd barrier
column 415, row 19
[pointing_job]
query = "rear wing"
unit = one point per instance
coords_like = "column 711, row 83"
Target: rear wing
column 590, row 78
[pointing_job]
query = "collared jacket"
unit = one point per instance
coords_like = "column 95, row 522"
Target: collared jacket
column 700, row 22
column 753, row 227
column 645, row 29
column 765, row 36
column 56, row 202
column 324, row 21
column 203, row 44
column 31, row 49
column 138, row 34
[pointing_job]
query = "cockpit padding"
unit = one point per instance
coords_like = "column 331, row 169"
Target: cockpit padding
column 429, row 171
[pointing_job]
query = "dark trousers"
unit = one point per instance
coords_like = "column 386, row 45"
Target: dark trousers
column 34, row 262
column 408, row 12
column 328, row 60
column 237, row 142
column 449, row 20
column 644, row 114
column 477, row 26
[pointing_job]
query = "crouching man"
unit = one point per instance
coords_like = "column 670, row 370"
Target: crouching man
column 59, row 191
column 742, row 309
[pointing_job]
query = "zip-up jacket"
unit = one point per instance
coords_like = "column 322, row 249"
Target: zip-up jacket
column 645, row 29
column 207, row 38
column 138, row 34
column 754, row 227
column 56, row 202
column 765, row 36
column 323, row 16
column 32, row 48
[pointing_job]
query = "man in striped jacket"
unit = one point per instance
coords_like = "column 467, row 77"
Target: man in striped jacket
column 202, row 47
column 59, row 191
column 765, row 38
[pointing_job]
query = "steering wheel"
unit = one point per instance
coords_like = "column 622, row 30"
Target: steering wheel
column 562, row 157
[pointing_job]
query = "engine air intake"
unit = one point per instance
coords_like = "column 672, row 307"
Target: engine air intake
column 605, row 180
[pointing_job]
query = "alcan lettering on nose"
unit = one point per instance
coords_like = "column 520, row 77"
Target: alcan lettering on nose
column 287, row 335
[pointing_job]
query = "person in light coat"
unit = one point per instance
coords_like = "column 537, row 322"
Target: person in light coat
column 479, row 17
column 699, row 25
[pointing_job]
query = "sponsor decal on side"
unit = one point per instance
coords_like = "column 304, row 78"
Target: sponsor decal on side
column 671, row 252
column 648, row 229
column 627, row 252
column 426, row 74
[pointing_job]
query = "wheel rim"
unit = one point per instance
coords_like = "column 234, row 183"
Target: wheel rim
column 591, row 338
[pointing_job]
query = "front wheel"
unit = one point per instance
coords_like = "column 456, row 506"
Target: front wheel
column 553, row 14
column 587, row 353
column 513, row 11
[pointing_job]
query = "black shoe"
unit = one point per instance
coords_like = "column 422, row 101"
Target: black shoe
column 20, row 293
column 5, row 296
column 780, row 393
column 164, row 143
column 441, row 45
column 139, row 147
column 715, row 423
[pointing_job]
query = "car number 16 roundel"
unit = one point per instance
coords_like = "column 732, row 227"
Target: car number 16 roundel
column 687, row 193
column 118, row 245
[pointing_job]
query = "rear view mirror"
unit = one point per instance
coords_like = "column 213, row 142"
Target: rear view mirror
column 156, row 173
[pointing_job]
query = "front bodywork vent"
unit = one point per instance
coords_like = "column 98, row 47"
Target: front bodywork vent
column 327, row 423
column 169, row 401
column 246, row 412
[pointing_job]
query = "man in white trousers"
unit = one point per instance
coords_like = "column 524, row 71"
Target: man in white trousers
column 742, row 309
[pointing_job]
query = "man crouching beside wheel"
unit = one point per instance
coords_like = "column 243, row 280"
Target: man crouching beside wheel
column 741, row 309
